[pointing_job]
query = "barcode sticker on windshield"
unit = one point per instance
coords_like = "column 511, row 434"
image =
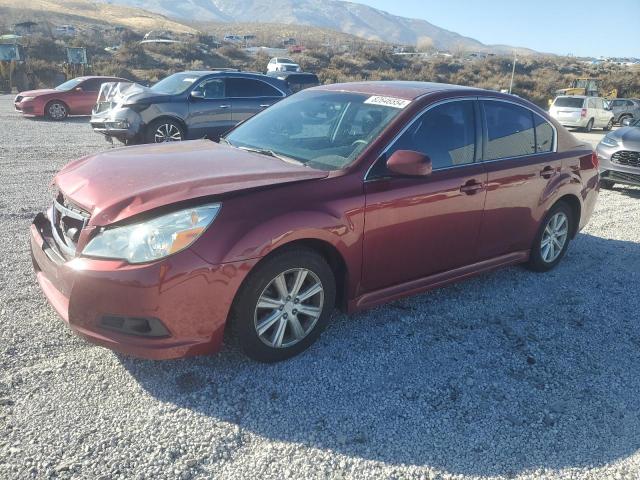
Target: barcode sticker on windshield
column 387, row 101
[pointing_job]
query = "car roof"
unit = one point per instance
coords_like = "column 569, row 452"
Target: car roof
column 88, row 77
column 202, row 73
column 397, row 88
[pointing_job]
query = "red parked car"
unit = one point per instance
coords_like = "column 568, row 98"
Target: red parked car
column 73, row 97
column 343, row 195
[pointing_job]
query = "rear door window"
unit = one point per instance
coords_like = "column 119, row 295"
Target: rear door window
column 248, row 88
column 510, row 130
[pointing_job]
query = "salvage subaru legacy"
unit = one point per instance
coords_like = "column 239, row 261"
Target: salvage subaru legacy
column 345, row 196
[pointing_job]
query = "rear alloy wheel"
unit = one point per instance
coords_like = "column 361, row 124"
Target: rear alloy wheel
column 163, row 131
column 589, row 126
column 553, row 239
column 609, row 126
column 284, row 305
column 56, row 111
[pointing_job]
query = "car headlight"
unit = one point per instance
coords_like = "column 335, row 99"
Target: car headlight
column 154, row 238
column 609, row 142
column 26, row 99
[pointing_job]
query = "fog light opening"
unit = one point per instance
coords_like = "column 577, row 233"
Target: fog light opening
column 138, row 326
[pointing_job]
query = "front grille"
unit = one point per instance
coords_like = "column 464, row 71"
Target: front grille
column 626, row 158
column 67, row 221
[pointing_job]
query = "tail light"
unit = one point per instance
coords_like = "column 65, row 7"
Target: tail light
column 589, row 162
column 583, row 113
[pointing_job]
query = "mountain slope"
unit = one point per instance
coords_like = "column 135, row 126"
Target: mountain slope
column 83, row 11
column 347, row 17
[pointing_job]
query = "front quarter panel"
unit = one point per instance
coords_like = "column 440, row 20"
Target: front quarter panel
column 254, row 224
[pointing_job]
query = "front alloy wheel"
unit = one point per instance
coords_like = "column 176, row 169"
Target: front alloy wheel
column 289, row 308
column 57, row 111
column 167, row 132
column 284, row 304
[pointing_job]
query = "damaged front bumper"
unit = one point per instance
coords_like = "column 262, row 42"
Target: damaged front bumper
column 111, row 117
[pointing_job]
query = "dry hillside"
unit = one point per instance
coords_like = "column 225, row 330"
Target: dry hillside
column 85, row 12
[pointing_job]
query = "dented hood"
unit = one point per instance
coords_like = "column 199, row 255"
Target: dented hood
column 114, row 94
column 123, row 182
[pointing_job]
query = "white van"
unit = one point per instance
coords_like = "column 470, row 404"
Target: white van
column 583, row 112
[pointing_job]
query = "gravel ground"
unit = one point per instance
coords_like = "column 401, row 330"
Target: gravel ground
column 509, row 375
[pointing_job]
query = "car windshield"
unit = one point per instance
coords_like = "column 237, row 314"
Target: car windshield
column 285, row 60
column 569, row 102
column 324, row 130
column 69, row 84
column 175, row 84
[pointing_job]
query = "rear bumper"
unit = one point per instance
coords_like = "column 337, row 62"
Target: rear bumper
column 191, row 298
column 574, row 123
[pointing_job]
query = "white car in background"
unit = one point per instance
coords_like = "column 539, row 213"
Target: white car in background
column 583, row 112
column 282, row 64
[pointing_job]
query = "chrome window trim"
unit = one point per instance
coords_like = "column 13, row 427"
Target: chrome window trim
column 449, row 100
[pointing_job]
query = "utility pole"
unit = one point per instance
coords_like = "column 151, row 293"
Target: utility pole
column 513, row 71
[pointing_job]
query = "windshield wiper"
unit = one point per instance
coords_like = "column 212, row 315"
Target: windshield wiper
column 271, row 153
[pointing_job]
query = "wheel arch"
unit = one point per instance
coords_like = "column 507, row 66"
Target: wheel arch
column 576, row 208
column 332, row 256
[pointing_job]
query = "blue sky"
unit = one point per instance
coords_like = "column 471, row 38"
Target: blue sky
column 585, row 28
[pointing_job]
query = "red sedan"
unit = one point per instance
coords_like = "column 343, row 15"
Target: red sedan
column 73, row 97
column 344, row 195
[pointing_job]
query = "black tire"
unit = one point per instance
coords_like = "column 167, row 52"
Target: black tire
column 609, row 126
column 56, row 110
column 589, row 126
column 536, row 261
column 606, row 184
column 164, row 128
column 244, row 313
column 623, row 117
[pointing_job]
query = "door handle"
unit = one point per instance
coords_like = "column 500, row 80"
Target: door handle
column 265, row 105
column 225, row 106
column 471, row 187
column 547, row 172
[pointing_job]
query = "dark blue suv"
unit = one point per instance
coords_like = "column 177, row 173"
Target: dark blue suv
column 186, row 105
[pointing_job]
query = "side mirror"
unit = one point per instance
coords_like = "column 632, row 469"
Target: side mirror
column 626, row 121
column 197, row 94
column 408, row 162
